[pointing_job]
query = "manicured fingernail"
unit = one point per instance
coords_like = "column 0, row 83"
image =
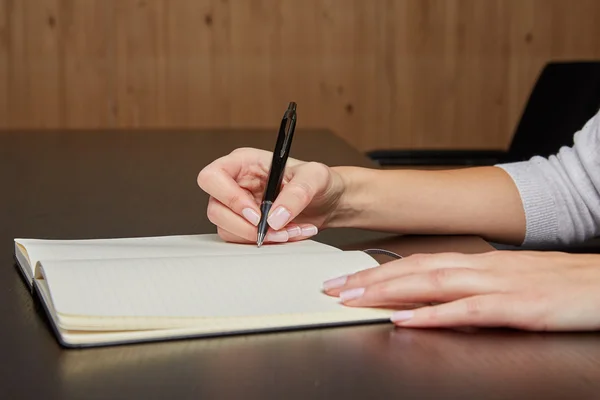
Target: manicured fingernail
column 295, row 231
column 309, row 230
column 335, row 282
column 280, row 236
column 251, row 215
column 278, row 218
column 352, row 294
column 404, row 315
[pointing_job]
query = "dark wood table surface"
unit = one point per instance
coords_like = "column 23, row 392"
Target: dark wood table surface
column 118, row 184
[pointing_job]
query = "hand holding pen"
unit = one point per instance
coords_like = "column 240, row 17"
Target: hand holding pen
column 303, row 196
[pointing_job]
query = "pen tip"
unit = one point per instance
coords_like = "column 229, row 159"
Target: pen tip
column 261, row 239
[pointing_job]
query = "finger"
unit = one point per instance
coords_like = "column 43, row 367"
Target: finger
column 494, row 310
column 395, row 269
column 438, row 285
column 307, row 180
column 298, row 232
column 230, row 237
column 224, row 218
column 219, row 183
column 239, row 230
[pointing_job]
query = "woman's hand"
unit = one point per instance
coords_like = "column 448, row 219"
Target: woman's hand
column 540, row 291
column 307, row 202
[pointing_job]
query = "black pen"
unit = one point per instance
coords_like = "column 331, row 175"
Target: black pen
column 280, row 156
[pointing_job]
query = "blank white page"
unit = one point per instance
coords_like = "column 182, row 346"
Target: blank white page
column 215, row 286
column 150, row 247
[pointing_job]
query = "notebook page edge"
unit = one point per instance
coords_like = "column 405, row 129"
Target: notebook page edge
column 42, row 292
column 262, row 325
column 23, row 262
column 94, row 324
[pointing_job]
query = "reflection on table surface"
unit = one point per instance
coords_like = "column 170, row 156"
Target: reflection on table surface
column 343, row 360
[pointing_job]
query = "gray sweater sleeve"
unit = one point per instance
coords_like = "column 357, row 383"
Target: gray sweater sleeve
column 561, row 193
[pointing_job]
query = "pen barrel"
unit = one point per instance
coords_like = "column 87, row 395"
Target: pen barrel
column 280, row 155
column 277, row 169
column 275, row 179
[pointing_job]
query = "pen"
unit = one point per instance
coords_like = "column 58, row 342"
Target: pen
column 280, row 156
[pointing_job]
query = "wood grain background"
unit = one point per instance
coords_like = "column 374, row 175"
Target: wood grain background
column 380, row 73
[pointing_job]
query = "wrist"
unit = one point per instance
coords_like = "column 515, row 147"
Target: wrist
column 354, row 183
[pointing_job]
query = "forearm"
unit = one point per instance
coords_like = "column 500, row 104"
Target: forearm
column 482, row 201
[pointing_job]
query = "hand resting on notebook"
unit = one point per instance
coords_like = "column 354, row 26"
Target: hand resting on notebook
column 524, row 290
column 541, row 202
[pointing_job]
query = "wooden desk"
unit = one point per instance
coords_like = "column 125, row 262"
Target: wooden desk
column 106, row 184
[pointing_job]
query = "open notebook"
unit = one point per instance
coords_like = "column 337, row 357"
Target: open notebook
column 112, row 291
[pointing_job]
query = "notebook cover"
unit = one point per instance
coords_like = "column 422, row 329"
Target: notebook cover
column 19, row 267
column 56, row 330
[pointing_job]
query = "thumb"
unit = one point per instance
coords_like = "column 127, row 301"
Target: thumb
column 307, row 180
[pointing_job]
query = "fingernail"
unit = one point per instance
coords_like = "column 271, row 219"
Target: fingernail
column 251, row 215
column 294, row 232
column 309, row 230
column 279, row 218
column 352, row 294
column 335, row 282
column 280, row 236
column 404, row 315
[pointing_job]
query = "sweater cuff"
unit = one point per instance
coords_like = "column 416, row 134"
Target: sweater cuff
column 538, row 203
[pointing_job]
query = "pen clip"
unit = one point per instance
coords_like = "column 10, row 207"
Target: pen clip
column 290, row 116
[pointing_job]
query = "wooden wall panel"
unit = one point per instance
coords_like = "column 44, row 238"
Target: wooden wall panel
column 4, row 38
column 32, row 57
column 87, row 78
column 381, row 73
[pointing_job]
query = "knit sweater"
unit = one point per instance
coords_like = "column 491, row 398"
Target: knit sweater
column 561, row 193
